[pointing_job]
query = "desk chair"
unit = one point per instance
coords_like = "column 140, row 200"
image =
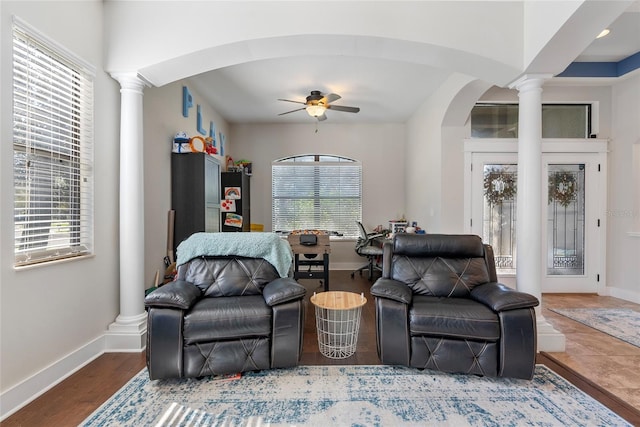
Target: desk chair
column 367, row 247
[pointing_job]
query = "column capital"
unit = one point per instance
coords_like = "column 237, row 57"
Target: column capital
column 529, row 81
column 131, row 81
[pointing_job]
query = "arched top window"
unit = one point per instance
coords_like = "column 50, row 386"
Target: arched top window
column 317, row 191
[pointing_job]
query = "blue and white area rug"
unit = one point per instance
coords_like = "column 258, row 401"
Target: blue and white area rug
column 621, row 323
column 359, row 396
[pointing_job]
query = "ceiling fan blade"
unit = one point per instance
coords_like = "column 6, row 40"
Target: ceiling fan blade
column 322, row 118
column 288, row 100
column 332, row 97
column 343, row 108
column 292, row 111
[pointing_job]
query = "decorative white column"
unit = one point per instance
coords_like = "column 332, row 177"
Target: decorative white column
column 128, row 332
column 529, row 239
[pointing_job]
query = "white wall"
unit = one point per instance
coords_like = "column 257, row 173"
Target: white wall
column 53, row 316
column 434, row 160
column 162, row 120
column 623, row 247
column 380, row 148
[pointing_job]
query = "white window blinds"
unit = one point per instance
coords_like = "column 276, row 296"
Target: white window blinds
column 52, row 150
column 317, row 192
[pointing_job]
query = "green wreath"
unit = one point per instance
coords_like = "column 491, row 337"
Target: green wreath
column 562, row 188
column 499, row 186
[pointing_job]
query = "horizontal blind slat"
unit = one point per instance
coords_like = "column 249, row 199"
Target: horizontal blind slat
column 323, row 195
column 53, row 156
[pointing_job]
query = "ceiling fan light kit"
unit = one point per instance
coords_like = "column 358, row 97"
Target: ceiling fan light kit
column 316, row 110
column 317, row 104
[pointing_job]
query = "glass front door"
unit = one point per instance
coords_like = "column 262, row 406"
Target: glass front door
column 499, row 213
column 570, row 212
column 565, row 219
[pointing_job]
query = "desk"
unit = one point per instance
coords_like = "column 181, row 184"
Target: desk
column 322, row 248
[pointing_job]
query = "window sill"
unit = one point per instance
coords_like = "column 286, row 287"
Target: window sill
column 52, row 263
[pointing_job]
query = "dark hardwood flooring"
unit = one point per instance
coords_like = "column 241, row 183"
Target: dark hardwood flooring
column 74, row 399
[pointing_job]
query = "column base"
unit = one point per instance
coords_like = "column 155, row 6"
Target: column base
column 549, row 339
column 127, row 334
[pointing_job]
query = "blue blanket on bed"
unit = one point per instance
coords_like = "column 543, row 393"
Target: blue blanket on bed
column 253, row 245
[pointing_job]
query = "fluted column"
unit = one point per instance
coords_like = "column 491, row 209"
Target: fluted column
column 128, row 332
column 529, row 239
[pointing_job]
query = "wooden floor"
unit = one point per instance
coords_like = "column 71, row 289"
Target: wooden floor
column 600, row 365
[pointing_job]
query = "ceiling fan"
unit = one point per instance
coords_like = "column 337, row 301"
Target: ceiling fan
column 317, row 103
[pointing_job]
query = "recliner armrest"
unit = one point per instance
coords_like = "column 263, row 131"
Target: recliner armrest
column 179, row 294
column 499, row 297
column 283, row 289
column 392, row 289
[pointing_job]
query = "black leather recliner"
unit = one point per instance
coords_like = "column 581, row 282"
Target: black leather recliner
column 222, row 315
column 439, row 306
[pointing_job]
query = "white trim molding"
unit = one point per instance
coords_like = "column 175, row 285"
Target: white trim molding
column 44, row 380
column 39, row 383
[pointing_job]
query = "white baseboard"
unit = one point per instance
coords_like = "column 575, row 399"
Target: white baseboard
column 625, row 294
column 125, row 342
column 549, row 339
column 39, row 383
column 33, row 387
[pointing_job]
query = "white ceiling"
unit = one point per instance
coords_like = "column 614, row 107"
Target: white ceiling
column 622, row 41
column 385, row 90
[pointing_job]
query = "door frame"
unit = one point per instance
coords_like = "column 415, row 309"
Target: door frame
column 594, row 149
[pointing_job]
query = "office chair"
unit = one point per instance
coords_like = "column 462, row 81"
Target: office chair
column 367, row 247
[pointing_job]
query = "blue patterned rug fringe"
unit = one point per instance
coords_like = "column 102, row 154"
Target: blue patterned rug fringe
column 353, row 396
column 620, row 323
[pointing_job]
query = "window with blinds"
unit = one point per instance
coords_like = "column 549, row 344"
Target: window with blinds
column 52, row 150
column 317, row 192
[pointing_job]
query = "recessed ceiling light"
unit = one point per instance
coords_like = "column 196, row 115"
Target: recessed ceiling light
column 603, row 33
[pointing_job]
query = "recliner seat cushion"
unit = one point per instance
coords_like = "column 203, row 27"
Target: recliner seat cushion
column 440, row 277
column 454, row 318
column 213, row 319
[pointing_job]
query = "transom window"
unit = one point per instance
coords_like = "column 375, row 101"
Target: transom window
column 317, row 191
column 52, row 150
column 558, row 121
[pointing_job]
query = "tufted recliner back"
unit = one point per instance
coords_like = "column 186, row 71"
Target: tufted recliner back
column 228, row 276
column 439, row 265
